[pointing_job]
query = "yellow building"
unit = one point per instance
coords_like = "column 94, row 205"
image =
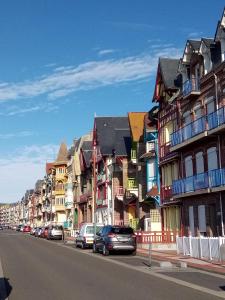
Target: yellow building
column 60, row 180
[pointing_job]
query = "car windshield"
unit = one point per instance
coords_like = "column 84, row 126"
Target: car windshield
column 57, row 227
column 90, row 229
column 122, row 230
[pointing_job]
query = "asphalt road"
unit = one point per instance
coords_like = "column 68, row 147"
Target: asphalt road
column 38, row 269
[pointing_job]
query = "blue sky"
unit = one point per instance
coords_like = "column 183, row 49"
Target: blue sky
column 62, row 62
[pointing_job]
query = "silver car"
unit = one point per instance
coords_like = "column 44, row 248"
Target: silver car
column 86, row 235
column 55, row 232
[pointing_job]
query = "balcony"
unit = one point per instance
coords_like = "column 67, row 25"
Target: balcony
column 191, row 87
column 132, row 184
column 207, row 181
column 67, row 224
column 132, row 187
column 59, row 192
column 164, row 150
column 216, row 119
column 134, row 223
column 166, row 193
column 189, row 133
column 101, row 177
column 133, row 155
column 119, row 192
column 101, row 202
column 59, row 207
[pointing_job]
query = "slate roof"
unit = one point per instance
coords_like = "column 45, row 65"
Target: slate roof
column 113, row 135
column 208, row 42
column 168, row 68
column 62, row 157
column 87, row 152
column 71, row 152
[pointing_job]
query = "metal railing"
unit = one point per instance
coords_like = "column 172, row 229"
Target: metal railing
column 166, row 193
column 164, row 150
column 132, row 183
column 217, row 118
column 188, row 131
column 134, row 223
column 191, row 85
column 209, row 179
column 205, row 123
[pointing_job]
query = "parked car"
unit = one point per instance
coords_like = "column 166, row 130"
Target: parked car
column 1, row 228
column 26, row 228
column 18, row 227
column 55, row 232
column 21, row 228
column 115, row 238
column 86, row 235
column 32, row 232
column 38, row 231
column 44, row 232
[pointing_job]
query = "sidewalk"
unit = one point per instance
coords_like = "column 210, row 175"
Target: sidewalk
column 171, row 255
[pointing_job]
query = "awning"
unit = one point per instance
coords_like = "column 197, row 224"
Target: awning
column 149, row 154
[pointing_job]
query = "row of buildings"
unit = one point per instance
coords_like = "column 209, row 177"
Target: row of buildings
column 160, row 170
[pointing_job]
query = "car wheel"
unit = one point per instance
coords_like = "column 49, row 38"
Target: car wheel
column 94, row 250
column 105, row 251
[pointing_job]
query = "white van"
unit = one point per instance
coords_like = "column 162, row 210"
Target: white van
column 86, row 235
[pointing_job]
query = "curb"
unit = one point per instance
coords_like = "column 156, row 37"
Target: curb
column 209, row 268
column 3, row 292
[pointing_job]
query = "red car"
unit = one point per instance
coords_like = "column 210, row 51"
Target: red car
column 26, row 228
column 44, row 232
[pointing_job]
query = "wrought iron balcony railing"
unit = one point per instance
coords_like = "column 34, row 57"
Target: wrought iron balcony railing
column 191, row 85
column 185, row 133
column 207, row 180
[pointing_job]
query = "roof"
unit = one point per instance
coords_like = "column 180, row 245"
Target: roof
column 136, row 120
column 208, row 42
column 168, row 68
column 87, row 152
column 195, row 44
column 113, row 135
column 62, row 157
column 48, row 167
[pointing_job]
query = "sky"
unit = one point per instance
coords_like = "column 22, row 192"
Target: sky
column 63, row 62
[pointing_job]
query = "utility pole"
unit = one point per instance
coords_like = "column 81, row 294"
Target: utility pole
column 94, row 185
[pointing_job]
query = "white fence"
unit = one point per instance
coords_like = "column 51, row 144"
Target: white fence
column 200, row 247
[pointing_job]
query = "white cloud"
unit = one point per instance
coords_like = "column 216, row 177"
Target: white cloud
column 6, row 136
column 20, row 170
column 195, row 34
column 106, row 51
column 86, row 76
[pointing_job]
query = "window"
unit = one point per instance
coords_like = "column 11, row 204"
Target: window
column 191, row 220
column 198, row 111
column 210, row 105
column 188, row 166
column 199, row 162
column 201, row 218
column 187, row 117
column 212, row 158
